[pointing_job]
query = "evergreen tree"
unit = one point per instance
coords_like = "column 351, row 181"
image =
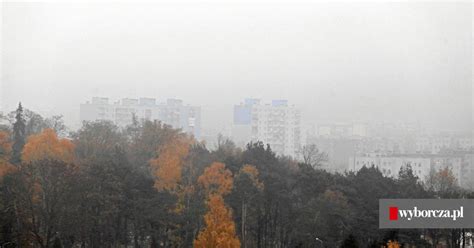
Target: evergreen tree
column 18, row 135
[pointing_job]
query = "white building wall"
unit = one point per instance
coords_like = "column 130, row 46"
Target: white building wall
column 279, row 126
column 421, row 166
column 173, row 113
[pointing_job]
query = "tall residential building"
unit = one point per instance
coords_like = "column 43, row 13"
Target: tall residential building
column 276, row 124
column 173, row 112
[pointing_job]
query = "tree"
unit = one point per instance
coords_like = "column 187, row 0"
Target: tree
column 443, row 182
column 274, row 216
column 216, row 179
column 7, row 215
column 247, row 187
column 97, row 140
column 5, row 154
column 167, row 167
column 146, row 138
column 47, row 145
column 43, row 192
column 4, row 119
column 34, row 123
column 333, row 216
column 43, row 185
column 117, row 204
column 393, row 244
column 220, row 228
column 225, row 147
column 409, row 183
column 312, row 156
column 56, row 123
column 19, row 135
column 150, row 185
column 410, row 187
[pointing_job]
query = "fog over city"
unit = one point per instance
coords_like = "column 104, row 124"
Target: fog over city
column 409, row 62
column 236, row 124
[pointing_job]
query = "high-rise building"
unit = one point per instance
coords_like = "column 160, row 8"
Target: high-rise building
column 276, row 124
column 173, row 112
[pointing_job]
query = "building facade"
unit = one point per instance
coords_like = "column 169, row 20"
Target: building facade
column 276, row 124
column 172, row 112
column 421, row 164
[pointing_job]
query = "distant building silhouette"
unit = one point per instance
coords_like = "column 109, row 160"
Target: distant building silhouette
column 276, row 124
column 173, row 112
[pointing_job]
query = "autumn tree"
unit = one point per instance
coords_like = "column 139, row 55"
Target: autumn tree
column 220, row 227
column 220, row 231
column 42, row 194
column 146, row 138
column 119, row 205
column 167, row 167
column 149, row 185
column 47, row 145
column 44, row 186
column 7, row 213
column 393, row 244
column 216, row 179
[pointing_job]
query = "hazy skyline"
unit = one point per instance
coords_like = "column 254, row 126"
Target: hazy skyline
column 336, row 61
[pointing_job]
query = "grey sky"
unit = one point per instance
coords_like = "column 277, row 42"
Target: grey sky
column 337, row 61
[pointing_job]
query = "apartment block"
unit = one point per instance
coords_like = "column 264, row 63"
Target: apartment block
column 173, row 112
column 422, row 164
column 277, row 124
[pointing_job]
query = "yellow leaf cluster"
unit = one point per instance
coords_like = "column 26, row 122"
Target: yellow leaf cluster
column 216, row 179
column 47, row 145
column 168, row 166
column 393, row 244
column 220, row 227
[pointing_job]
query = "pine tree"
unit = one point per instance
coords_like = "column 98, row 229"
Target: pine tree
column 18, row 135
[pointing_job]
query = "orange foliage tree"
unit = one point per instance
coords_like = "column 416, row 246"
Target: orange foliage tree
column 216, row 179
column 47, row 145
column 46, row 173
column 5, row 154
column 220, row 227
column 167, row 167
column 393, row 244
